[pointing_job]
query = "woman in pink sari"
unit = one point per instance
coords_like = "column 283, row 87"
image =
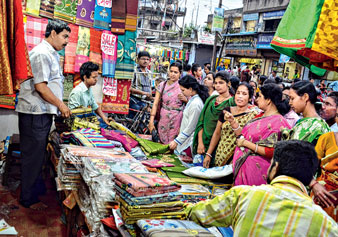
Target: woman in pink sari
column 255, row 147
column 171, row 98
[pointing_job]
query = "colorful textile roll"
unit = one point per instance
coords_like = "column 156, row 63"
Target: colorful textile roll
column 102, row 17
column 33, row 7
column 35, row 31
column 109, row 55
column 95, row 55
column 71, row 49
column 131, row 17
column 85, row 13
column 118, row 104
column 47, row 8
column 65, row 10
column 126, row 56
column 118, row 21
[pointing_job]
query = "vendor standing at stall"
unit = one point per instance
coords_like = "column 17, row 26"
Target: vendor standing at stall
column 40, row 98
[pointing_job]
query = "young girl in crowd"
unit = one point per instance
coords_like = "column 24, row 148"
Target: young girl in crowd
column 228, row 126
column 198, row 95
column 197, row 72
column 303, row 97
column 213, row 107
column 168, row 93
column 255, row 148
column 209, row 81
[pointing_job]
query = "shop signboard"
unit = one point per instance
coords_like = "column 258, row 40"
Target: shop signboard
column 250, row 17
column 242, row 42
column 218, row 19
column 242, row 52
column 273, row 15
column 264, row 41
column 206, row 38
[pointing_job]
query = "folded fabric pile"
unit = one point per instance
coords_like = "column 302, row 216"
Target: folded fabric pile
column 194, row 192
column 147, row 195
column 95, row 168
column 182, row 228
column 88, row 137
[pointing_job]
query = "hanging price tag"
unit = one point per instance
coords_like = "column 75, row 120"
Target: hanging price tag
column 108, row 43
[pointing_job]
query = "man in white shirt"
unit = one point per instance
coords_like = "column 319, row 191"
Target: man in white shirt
column 40, row 98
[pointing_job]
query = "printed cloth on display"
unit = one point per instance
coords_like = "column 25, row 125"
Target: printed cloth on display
column 85, row 13
column 35, row 31
column 88, row 137
column 47, row 8
column 33, row 7
column 152, row 148
column 108, row 47
column 95, row 55
column 82, row 49
column 71, row 50
column 145, row 184
column 7, row 101
column 126, row 55
column 155, row 163
column 118, row 21
column 65, row 10
column 296, row 31
column 324, row 50
column 102, row 17
column 131, row 16
column 127, row 142
column 145, row 200
column 161, row 228
column 118, row 104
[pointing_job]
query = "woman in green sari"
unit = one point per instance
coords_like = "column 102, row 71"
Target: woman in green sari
column 213, row 107
column 303, row 97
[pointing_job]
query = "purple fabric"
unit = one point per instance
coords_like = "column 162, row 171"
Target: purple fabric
column 85, row 13
column 127, row 142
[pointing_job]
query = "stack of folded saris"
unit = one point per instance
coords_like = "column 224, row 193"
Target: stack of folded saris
column 147, row 195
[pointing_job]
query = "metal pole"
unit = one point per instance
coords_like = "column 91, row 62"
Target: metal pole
column 185, row 9
column 213, row 60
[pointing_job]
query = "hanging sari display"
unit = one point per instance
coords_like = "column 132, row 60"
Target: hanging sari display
column 118, row 21
column 65, row 10
column 47, row 8
column 126, row 56
column 296, row 31
column 108, row 47
column 131, row 16
column 95, row 48
column 33, row 7
column 118, row 104
column 324, row 50
column 82, row 49
column 17, row 50
column 85, row 13
column 71, row 49
column 35, row 31
column 102, row 17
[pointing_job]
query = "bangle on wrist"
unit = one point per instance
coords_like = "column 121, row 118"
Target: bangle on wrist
column 256, row 148
column 235, row 129
column 314, row 183
column 208, row 155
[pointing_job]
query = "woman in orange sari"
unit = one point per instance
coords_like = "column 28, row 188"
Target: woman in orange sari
column 327, row 151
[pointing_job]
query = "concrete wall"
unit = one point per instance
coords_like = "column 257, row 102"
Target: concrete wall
column 263, row 5
column 9, row 118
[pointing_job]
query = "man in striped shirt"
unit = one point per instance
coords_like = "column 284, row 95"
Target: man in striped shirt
column 282, row 208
